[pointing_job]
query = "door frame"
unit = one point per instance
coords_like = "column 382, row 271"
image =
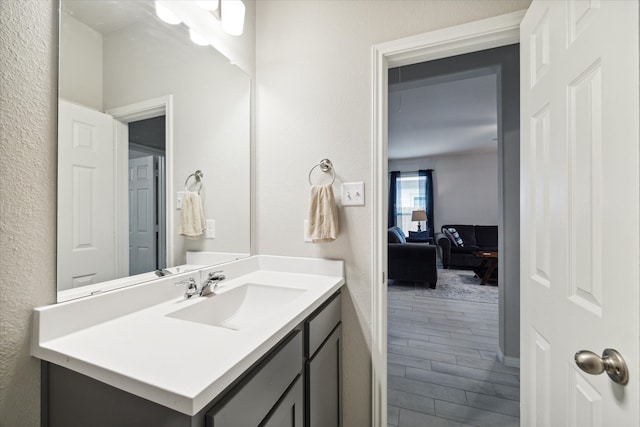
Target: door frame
column 147, row 109
column 479, row 35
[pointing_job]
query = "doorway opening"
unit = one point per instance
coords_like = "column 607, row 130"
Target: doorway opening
column 468, row 38
column 442, row 316
column 147, row 219
column 144, row 148
column 445, row 117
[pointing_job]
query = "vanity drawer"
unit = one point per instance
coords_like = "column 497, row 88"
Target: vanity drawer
column 321, row 323
column 250, row 402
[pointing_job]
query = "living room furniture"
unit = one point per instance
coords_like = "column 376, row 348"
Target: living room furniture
column 419, row 237
column 414, row 262
column 474, row 238
column 488, row 265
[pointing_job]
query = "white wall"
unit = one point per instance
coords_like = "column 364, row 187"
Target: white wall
column 80, row 63
column 313, row 69
column 28, row 209
column 465, row 187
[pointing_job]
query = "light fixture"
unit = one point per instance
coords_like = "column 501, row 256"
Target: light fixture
column 210, row 5
column 232, row 16
column 166, row 15
column 419, row 216
column 197, row 38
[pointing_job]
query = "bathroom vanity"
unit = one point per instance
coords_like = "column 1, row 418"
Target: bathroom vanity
column 264, row 350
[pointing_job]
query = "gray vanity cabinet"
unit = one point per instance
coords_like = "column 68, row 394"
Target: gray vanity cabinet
column 289, row 412
column 323, row 366
column 258, row 395
column 295, row 383
column 319, row 388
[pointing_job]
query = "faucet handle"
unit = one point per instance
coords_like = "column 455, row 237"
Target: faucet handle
column 191, row 288
column 215, row 275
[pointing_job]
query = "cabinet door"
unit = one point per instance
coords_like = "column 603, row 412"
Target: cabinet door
column 253, row 399
column 288, row 412
column 323, row 373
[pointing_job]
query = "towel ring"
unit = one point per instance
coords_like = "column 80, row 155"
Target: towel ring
column 197, row 175
column 325, row 165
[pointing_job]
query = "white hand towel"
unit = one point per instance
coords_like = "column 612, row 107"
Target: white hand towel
column 323, row 214
column 192, row 221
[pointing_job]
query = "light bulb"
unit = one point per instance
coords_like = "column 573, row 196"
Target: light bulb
column 232, row 12
column 208, row 4
column 166, row 15
column 197, row 38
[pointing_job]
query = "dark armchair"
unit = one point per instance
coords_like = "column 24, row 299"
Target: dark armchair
column 415, row 262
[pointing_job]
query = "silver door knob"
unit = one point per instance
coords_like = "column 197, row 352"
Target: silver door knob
column 611, row 362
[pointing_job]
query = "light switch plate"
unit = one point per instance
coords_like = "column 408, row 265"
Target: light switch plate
column 179, row 197
column 353, row 194
column 210, row 231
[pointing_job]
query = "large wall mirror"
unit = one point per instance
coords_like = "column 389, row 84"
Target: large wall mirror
column 141, row 109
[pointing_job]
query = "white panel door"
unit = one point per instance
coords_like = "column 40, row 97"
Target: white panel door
column 142, row 215
column 580, row 210
column 86, row 197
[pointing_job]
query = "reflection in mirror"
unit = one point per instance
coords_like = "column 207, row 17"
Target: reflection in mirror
column 141, row 108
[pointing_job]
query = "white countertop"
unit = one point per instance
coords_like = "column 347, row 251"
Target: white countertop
column 179, row 364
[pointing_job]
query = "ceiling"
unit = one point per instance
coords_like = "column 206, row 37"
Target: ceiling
column 107, row 16
column 443, row 116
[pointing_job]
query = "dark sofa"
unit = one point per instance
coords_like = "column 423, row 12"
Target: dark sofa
column 415, row 262
column 474, row 238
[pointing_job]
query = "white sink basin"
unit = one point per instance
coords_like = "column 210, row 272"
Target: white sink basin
column 238, row 308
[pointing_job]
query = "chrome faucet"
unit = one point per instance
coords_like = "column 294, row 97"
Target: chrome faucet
column 191, row 289
column 214, row 278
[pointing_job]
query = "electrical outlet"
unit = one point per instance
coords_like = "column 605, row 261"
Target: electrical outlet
column 210, row 231
column 353, row 194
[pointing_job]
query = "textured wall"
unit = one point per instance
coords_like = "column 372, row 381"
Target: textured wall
column 27, row 197
column 313, row 79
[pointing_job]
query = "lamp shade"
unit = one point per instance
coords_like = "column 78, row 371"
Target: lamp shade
column 418, row 216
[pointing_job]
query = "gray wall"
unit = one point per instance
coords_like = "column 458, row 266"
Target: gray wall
column 28, row 159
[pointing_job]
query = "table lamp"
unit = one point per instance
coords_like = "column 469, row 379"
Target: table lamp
column 419, row 216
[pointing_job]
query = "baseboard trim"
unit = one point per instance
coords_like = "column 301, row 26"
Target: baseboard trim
column 514, row 362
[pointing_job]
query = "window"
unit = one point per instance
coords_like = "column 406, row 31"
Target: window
column 410, row 191
column 408, row 199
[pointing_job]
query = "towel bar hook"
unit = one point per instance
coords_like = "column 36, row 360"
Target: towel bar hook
column 197, row 175
column 325, row 165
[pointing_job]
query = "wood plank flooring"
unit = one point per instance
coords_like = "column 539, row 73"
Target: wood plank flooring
column 442, row 367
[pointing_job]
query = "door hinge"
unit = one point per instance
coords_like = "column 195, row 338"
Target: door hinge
column 156, row 228
column 383, row 277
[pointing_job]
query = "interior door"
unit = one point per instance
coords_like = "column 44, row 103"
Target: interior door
column 86, row 197
column 142, row 215
column 580, row 210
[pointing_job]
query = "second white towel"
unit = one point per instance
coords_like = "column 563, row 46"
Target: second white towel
column 192, row 220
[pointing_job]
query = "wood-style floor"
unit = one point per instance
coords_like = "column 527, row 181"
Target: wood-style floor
column 442, row 368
